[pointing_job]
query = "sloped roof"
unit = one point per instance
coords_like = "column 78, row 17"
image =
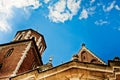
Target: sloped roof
column 91, row 53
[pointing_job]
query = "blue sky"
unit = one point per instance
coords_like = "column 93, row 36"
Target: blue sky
column 65, row 24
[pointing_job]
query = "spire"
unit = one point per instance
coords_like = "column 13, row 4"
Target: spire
column 83, row 44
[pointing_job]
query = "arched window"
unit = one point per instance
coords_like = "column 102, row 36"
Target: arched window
column 93, row 61
column 83, row 55
column 83, row 52
column 9, row 52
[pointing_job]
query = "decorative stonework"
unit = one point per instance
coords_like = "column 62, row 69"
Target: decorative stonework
column 21, row 60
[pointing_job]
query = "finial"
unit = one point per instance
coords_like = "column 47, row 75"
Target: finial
column 50, row 59
column 116, row 58
column 75, row 57
column 83, row 44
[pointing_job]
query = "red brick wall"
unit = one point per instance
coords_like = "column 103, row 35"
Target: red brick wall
column 10, row 63
column 37, row 38
column 118, row 77
column 30, row 60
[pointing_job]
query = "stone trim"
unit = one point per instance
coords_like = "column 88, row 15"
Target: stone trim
column 69, row 66
column 28, row 34
column 39, row 40
column 22, row 59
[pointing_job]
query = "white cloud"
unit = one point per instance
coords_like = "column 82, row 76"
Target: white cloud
column 109, row 8
column 4, row 26
column 91, row 10
column 92, row 1
column 101, row 22
column 63, row 10
column 6, row 10
column 84, row 14
column 46, row 1
column 117, row 7
column 117, row 28
column 73, row 6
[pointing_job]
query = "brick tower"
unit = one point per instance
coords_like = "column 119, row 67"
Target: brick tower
column 31, row 34
column 22, row 54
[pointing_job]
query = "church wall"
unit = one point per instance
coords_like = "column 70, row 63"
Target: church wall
column 10, row 62
column 74, row 74
column 70, row 74
column 30, row 62
column 70, row 71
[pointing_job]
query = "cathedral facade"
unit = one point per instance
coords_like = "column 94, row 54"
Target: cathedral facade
column 21, row 60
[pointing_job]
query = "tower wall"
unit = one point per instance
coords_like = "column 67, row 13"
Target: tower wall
column 9, row 62
column 22, row 54
column 29, row 34
column 30, row 62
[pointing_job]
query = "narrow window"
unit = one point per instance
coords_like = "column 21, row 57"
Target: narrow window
column 20, row 37
column 83, row 55
column 40, row 48
column 9, row 52
column 1, row 65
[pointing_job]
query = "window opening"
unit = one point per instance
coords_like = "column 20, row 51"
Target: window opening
column 9, row 52
column 83, row 55
column 1, row 65
column 93, row 61
column 40, row 48
column 33, row 38
column 20, row 37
